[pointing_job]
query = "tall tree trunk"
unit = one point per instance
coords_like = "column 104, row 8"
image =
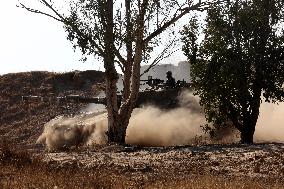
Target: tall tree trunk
column 250, row 118
column 128, row 105
column 112, row 108
column 129, row 61
column 115, row 134
column 247, row 133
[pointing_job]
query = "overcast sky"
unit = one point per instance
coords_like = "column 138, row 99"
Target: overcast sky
column 33, row 42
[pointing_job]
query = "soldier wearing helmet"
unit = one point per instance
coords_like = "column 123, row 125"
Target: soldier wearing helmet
column 171, row 83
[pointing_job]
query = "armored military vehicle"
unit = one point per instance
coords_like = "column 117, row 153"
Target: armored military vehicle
column 153, row 92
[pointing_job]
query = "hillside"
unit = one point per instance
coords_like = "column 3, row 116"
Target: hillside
column 22, row 122
column 180, row 71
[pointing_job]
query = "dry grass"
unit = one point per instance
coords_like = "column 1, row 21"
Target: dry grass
column 37, row 177
column 20, row 169
column 211, row 182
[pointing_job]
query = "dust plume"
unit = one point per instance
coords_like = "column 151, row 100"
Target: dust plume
column 270, row 124
column 148, row 126
column 151, row 126
column 63, row 132
column 269, row 127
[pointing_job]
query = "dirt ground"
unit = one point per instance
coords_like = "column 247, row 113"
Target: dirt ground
column 209, row 166
column 26, row 165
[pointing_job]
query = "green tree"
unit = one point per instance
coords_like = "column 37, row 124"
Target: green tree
column 121, row 32
column 239, row 61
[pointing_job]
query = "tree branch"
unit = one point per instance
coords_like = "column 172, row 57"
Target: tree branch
column 119, row 56
column 39, row 12
column 199, row 6
column 120, row 65
column 172, row 21
column 65, row 21
column 160, row 57
column 53, row 9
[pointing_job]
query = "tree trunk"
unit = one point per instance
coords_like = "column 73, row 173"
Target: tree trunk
column 247, row 134
column 128, row 105
column 126, row 82
column 112, row 108
column 250, row 120
column 119, row 120
column 116, row 133
column 129, row 61
column 131, row 95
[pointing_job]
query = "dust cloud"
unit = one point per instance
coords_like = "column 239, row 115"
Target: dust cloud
column 270, row 125
column 148, row 126
column 151, row 126
column 154, row 127
column 64, row 132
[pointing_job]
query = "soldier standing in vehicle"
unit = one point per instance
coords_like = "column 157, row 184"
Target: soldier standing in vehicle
column 171, row 83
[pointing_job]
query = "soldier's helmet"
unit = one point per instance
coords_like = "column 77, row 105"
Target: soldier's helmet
column 169, row 73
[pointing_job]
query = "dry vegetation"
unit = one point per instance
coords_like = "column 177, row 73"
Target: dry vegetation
column 24, row 165
column 19, row 170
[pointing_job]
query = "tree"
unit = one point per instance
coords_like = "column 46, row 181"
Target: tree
column 240, row 60
column 122, row 32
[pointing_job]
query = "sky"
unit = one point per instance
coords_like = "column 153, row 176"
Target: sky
column 32, row 42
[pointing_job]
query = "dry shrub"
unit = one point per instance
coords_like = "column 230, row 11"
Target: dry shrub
column 9, row 155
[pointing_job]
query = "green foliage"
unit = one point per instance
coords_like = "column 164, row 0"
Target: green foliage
column 240, row 60
column 189, row 38
column 87, row 25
